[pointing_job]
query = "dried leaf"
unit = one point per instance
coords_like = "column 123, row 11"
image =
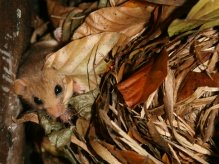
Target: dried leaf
column 174, row 154
column 195, row 80
column 46, row 144
column 185, row 143
column 156, row 136
column 103, row 152
column 80, row 143
column 168, row 2
column 126, row 156
column 32, row 117
column 61, row 138
column 83, row 60
column 207, row 122
column 115, row 152
column 57, row 11
column 168, row 99
column 210, row 127
column 82, row 126
column 166, row 159
column 213, row 61
column 82, row 103
column 134, row 158
column 189, row 152
column 142, row 83
column 129, row 20
column 48, row 124
column 133, row 144
column 135, row 134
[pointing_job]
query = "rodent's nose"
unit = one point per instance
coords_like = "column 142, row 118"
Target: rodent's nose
column 57, row 110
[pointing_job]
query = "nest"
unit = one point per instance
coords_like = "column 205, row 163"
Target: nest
column 158, row 103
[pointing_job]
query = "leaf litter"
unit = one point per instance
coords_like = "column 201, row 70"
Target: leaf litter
column 150, row 82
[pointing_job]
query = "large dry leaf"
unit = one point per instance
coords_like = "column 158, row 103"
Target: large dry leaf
column 129, row 20
column 205, row 14
column 84, row 60
column 137, row 88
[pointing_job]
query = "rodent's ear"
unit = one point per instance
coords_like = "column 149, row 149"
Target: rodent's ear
column 20, row 87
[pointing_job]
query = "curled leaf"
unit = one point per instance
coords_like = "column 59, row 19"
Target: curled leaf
column 32, row 117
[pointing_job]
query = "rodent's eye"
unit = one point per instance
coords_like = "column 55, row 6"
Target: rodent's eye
column 58, row 89
column 37, row 100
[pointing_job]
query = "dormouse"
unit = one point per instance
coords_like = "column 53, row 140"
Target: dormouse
column 42, row 88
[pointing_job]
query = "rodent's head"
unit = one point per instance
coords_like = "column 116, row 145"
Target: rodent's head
column 45, row 90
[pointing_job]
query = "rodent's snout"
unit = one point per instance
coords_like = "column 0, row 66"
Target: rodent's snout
column 57, row 110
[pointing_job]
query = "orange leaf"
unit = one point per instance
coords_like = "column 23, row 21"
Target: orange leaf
column 195, row 80
column 137, row 88
column 133, row 157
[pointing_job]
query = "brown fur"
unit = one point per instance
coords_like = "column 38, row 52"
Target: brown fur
column 34, row 81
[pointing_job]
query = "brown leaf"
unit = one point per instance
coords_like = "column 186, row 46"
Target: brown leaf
column 156, row 136
column 80, row 143
column 32, row 117
column 136, row 135
column 103, row 152
column 129, row 19
column 169, row 85
column 49, row 147
column 127, row 156
column 166, row 159
column 168, row 2
column 195, row 80
column 82, row 126
column 137, row 88
column 210, row 125
column 83, row 60
column 135, row 158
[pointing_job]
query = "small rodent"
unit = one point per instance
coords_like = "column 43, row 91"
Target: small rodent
column 39, row 87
